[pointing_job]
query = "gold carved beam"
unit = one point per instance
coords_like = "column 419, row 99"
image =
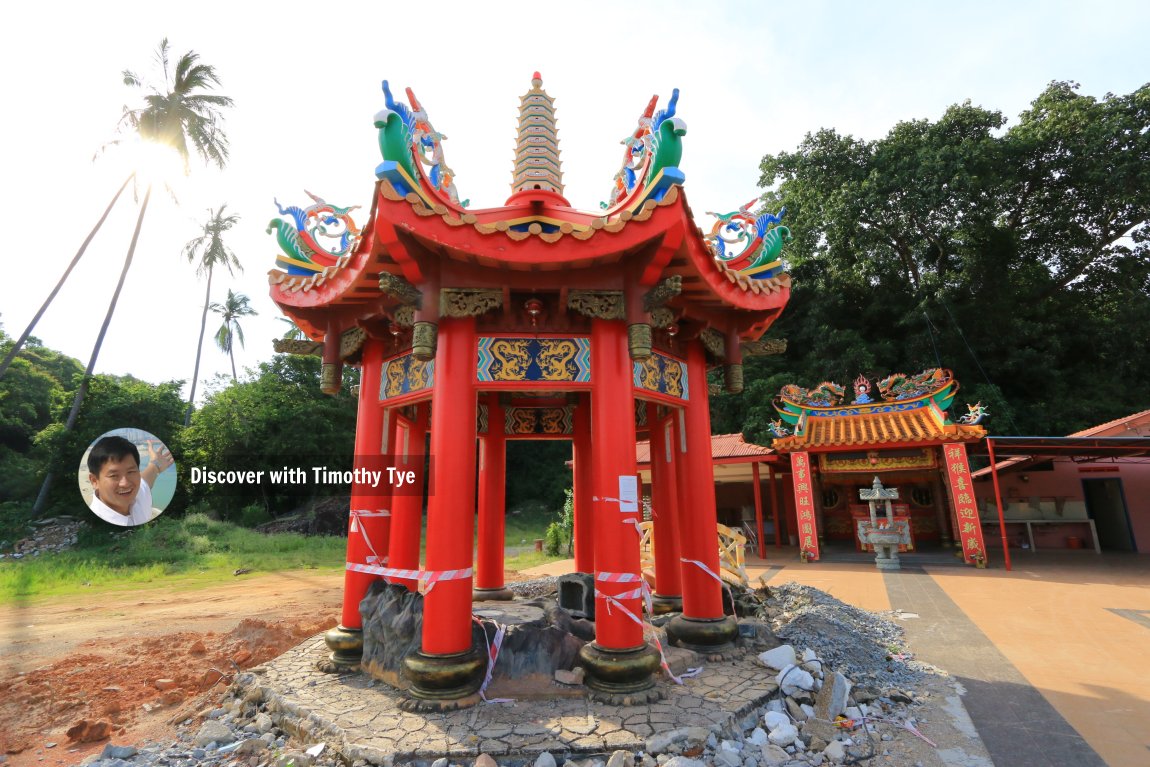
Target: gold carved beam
column 597, row 304
column 455, row 302
column 764, row 347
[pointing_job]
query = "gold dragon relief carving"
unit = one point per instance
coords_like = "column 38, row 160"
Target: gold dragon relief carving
column 512, row 358
column 557, row 359
column 673, row 376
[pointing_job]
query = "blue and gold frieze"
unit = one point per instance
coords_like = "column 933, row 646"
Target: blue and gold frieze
column 662, row 374
column 406, row 375
column 535, row 360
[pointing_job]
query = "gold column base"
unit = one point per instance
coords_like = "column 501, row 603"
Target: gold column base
column 621, row 677
column 712, row 636
column 443, row 682
column 503, row 594
column 661, row 605
column 346, row 647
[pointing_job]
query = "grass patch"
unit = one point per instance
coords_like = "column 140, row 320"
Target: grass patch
column 195, row 549
column 199, row 551
column 526, row 559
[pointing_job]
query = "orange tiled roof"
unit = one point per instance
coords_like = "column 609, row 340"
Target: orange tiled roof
column 1137, row 419
column 722, row 446
column 916, row 426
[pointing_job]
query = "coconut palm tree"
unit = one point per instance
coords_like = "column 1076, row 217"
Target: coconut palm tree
column 231, row 310
column 178, row 114
column 293, row 331
column 207, row 252
column 16, row 347
column 174, row 115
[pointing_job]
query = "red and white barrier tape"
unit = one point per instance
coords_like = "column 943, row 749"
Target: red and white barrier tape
column 427, row 578
column 492, row 657
column 643, row 592
column 354, row 525
column 711, row 573
column 647, row 629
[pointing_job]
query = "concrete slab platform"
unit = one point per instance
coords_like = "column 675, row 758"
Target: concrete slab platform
column 362, row 720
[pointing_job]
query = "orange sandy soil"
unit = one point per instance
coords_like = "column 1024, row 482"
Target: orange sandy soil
column 96, row 659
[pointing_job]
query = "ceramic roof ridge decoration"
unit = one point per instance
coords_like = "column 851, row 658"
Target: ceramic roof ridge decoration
column 419, row 230
column 912, row 409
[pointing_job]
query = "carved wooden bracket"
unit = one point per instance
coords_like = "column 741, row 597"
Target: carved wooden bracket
column 715, row 343
column 662, row 293
column 662, row 318
column 351, row 341
column 302, row 346
column 764, row 347
column 455, row 302
column 404, row 316
column 597, row 304
column 397, row 287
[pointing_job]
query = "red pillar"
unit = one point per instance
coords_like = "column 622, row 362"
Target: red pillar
column 759, row 510
column 581, row 482
column 614, row 491
column 998, row 503
column 664, row 505
column 776, row 504
column 451, row 506
column 492, row 496
column 407, row 510
column 698, row 536
column 366, row 522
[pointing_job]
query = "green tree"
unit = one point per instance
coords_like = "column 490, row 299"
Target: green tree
column 35, row 389
column 231, row 310
column 207, row 252
column 277, row 418
column 178, row 114
column 1019, row 258
column 112, row 402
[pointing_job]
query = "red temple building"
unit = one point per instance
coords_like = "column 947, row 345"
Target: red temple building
column 904, row 437
column 533, row 320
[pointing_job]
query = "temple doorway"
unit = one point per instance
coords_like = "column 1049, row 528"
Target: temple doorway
column 1106, row 505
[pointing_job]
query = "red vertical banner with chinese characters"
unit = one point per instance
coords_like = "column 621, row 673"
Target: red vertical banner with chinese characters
column 961, row 491
column 805, row 505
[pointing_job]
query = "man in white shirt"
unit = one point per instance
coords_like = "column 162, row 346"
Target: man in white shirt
column 123, row 493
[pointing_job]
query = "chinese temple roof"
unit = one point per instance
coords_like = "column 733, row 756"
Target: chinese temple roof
column 419, row 233
column 911, row 412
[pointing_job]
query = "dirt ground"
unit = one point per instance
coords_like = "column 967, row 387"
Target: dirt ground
column 130, row 665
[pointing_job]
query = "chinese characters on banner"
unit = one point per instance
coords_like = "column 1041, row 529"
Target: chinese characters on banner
column 969, row 528
column 805, row 504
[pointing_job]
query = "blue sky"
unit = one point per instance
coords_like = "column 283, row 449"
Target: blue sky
column 754, row 79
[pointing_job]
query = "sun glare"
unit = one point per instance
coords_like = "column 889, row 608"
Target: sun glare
column 154, row 163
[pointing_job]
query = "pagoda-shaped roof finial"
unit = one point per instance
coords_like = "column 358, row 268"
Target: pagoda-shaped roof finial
column 537, row 165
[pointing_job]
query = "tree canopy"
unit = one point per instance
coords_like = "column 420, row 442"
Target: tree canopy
column 1017, row 255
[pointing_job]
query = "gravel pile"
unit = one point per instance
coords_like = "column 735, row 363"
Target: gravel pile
column 237, row 734
column 539, row 587
column 868, row 647
column 48, row 537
